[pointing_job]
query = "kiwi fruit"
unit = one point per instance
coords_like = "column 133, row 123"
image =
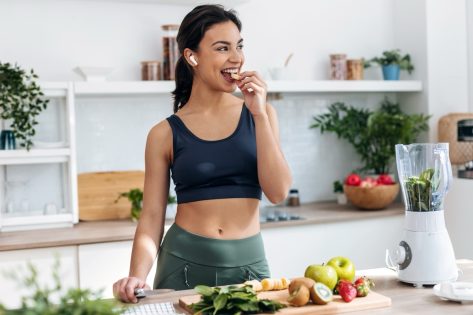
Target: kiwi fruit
column 302, row 281
column 300, row 296
column 320, row 294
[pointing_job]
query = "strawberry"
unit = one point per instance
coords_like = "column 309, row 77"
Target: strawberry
column 353, row 180
column 347, row 291
column 363, row 286
column 385, row 179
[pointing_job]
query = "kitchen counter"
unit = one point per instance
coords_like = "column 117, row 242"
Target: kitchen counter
column 405, row 298
column 123, row 230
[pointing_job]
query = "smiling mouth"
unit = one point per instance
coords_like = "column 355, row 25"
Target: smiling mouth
column 230, row 74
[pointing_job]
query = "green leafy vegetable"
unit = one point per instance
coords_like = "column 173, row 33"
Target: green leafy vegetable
column 421, row 191
column 232, row 300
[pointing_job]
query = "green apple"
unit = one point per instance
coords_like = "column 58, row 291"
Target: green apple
column 344, row 267
column 322, row 273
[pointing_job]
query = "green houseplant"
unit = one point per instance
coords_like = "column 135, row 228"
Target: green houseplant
column 21, row 101
column 135, row 196
column 392, row 62
column 373, row 134
column 42, row 300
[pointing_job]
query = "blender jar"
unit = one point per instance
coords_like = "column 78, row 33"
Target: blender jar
column 425, row 174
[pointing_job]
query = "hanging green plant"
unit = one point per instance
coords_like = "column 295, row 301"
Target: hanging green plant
column 21, row 101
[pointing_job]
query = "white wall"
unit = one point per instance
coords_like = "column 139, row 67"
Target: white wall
column 56, row 36
column 469, row 33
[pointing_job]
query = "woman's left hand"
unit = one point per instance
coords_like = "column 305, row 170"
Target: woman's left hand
column 254, row 91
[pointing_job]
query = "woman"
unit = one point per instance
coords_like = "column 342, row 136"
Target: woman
column 222, row 152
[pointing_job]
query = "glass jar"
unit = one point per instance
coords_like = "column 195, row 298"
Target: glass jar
column 355, row 69
column 293, row 200
column 150, row 70
column 170, row 50
column 338, row 66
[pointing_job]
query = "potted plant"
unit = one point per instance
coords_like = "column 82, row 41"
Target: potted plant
column 135, row 196
column 21, row 101
column 338, row 190
column 373, row 134
column 392, row 62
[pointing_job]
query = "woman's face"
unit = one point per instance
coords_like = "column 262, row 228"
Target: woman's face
column 220, row 53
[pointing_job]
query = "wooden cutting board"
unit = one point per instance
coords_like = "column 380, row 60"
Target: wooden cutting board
column 337, row 306
column 98, row 192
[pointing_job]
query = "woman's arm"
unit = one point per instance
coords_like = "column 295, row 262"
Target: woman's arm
column 150, row 229
column 273, row 172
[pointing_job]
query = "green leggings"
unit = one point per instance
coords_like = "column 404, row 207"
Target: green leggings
column 186, row 260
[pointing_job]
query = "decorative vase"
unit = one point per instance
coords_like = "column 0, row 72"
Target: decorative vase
column 341, row 198
column 391, row 72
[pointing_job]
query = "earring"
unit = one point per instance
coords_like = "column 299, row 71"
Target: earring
column 192, row 59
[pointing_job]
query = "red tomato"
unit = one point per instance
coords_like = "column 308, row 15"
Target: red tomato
column 385, row 179
column 353, row 180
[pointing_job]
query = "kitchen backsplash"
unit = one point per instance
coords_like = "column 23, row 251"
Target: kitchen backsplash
column 112, row 136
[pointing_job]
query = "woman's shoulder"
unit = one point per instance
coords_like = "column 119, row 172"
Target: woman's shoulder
column 160, row 132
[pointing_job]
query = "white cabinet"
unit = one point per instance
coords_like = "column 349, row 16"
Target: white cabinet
column 38, row 188
column 459, row 216
column 43, row 259
column 103, row 264
column 289, row 250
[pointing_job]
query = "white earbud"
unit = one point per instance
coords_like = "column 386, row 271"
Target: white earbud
column 192, row 58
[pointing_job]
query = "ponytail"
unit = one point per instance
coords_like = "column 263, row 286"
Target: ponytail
column 184, row 78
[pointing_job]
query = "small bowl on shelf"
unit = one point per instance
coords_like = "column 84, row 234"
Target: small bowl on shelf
column 371, row 198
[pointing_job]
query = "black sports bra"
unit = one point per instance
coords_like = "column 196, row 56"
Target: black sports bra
column 215, row 169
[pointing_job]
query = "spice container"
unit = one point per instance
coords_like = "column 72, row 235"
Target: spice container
column 355, row 69
column 170, row 50
column 338, row 66
column 293, row 200
column 150, row 70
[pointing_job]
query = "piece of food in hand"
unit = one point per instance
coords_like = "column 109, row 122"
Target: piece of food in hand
column 255, row 284
column 235, row 76
column 363, row 286
column 302, row 281
column 320, row 294
column 347, row 290
column 300, row 296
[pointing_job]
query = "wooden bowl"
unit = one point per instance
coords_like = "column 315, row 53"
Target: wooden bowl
column 371, row 198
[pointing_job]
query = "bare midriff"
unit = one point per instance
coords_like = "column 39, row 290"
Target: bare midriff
column 233, row 218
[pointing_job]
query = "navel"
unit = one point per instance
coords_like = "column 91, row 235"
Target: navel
column 220, row 231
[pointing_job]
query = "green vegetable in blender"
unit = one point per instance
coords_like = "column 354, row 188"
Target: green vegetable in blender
column 420, row 191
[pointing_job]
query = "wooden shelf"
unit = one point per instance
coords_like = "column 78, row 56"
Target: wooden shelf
column 165, row 87
column 34, row 156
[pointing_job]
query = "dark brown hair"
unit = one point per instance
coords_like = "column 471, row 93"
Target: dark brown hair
column 192, row 30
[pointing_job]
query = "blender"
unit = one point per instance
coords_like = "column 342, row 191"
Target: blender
column 425, row 254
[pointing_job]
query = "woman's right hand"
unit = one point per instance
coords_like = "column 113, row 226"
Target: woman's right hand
column 124, row 289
